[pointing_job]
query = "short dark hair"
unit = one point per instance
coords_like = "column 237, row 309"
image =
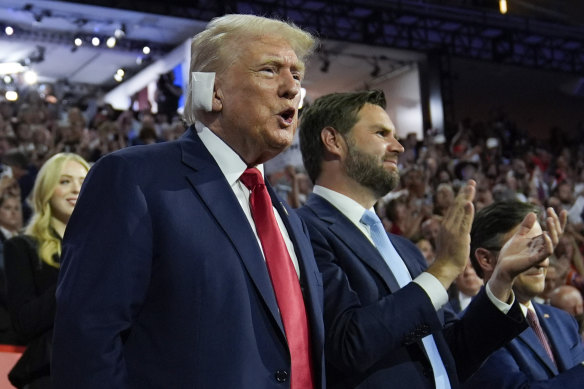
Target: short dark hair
column 492, row 223
column 337, row 110
column 15, row 158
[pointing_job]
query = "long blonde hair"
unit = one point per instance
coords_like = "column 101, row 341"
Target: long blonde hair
column 39, row 226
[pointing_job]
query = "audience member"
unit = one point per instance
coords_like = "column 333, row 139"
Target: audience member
column 167, row 95
column 550, row 352
column 24, row 173
column 427, row 250
column 10, row 225
column 568, row 298
column 552, row 281
column 32, row 265
column 431, row 228
column 465, row 287
column 10, row 216
column 570, row 261
column 402, row 222
column 443, row 199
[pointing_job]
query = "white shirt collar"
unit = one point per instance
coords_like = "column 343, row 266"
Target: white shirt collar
column 464, row 300
column 230, row 163
column 7, row 233
column 349, row 207
column 525, row 307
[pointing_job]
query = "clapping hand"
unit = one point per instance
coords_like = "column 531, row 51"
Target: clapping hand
column 526, row 248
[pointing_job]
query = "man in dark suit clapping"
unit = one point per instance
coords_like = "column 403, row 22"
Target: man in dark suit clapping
column 548, row 354
column 383, row 309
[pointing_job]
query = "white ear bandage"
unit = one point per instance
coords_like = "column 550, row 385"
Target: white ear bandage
column 202, row 84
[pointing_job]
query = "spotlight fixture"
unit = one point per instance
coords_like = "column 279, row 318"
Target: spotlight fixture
column 119, row 76
column 78, row 41
column 146, row 50
column 11, row 95
column 11, row 67
column 30, row 77
column 9, row 30
column 119, row 33
column 503, row 6
column 111, row 42
column 95, row 41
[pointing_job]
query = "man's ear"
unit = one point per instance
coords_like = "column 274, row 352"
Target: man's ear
column 333, row 141
column 486, row 260
column 217, row 99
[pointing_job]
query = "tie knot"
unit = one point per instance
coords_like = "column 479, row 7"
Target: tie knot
column 531, row 317
column 370, row 218
column 251, row 178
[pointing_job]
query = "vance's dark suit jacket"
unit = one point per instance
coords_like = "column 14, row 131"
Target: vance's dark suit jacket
column 374, row 329
column 523, row 362
column 163, row 284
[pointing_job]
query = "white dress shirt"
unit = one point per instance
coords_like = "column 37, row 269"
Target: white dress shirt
column 464, row 300
column 232, row 167
column 433, row 288
column 7, row 234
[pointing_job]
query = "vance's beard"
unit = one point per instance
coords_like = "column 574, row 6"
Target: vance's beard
column 369, row 172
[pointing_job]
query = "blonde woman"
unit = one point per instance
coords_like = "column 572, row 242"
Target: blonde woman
column 32, row 265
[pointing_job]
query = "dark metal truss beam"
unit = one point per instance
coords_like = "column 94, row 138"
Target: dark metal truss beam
column 410, row 25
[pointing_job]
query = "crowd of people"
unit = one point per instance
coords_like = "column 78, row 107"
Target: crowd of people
column 46, row 150
column 508, row 163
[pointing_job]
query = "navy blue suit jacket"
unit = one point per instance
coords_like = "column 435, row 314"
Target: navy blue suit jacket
column 374, row 328
column 523, row 362
column 163, row 284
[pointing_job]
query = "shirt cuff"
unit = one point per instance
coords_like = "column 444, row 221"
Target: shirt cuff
column 501, row 306
column 433, row 289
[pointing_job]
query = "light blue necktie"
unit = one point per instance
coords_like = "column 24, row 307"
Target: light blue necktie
column 403, row 277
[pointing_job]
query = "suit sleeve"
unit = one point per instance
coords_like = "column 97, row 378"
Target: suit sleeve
column 104, row 277
column 516, row 366
column 502, row 371
column 32, row 312
column 466, row 339
column 359, row 336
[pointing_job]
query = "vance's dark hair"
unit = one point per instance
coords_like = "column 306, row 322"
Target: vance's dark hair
column 337, row 110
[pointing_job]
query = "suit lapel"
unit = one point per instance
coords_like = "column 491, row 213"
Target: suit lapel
column 359, row 244
column 529, row 338
column 550, row 326
column 212, row 187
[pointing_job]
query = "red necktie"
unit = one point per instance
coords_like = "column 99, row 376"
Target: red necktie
column 284, row 280
column 536, row 327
